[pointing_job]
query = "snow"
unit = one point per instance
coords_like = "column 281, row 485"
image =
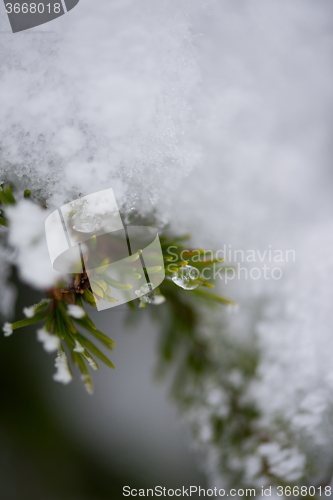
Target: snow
column 50, row 342
column 27, row 236
column 7, row 329
column 29, row 312
column 287, row 464
column 63, row 374
column 75, row 311
column 91, row 362
column 119, row 111
column 78, row 347
column 216, row 118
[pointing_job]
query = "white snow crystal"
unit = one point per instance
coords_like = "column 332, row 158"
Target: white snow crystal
column 29, row 312
column 75, row 311
column 91, row 362
column 78, row 347
column 7, row 329
column 63, row 374
column 27, row 235
column 50, row 342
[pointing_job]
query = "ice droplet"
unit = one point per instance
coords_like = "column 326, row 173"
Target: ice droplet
column 150, row 296
column 186, row 277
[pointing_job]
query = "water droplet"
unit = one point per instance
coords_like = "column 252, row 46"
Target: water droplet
column 150, row 296
column 186, row 277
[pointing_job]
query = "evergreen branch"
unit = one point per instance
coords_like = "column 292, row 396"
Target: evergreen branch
column 56, row 314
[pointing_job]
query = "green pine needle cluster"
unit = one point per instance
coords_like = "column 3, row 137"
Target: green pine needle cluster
column 56, row 311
